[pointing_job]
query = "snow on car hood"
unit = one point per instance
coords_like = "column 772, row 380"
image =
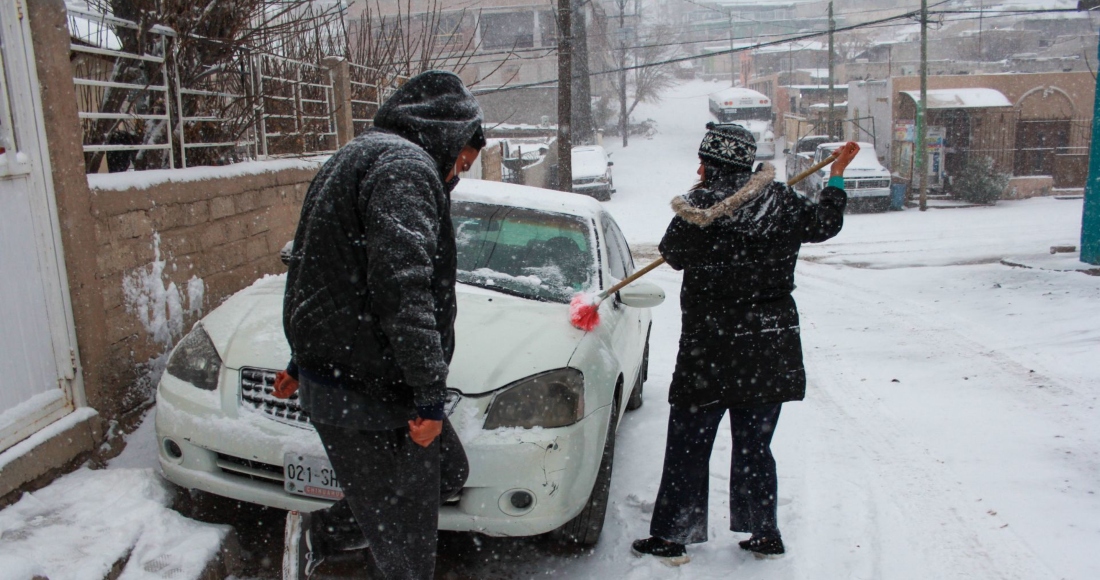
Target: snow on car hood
column 500, row 338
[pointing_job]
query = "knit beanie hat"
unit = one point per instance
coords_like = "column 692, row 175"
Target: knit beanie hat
column 729, row 144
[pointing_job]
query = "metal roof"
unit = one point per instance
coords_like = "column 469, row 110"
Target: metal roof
column 962, row 98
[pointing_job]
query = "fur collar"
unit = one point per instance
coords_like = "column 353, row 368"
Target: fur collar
column 752, row 189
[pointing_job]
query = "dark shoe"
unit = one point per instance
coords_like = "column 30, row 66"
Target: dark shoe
column 300, row 560
column 764, row 545
column 670, row 553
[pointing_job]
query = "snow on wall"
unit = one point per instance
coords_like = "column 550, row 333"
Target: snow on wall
column 42, row 435
column 129, row 180
column 158, row 304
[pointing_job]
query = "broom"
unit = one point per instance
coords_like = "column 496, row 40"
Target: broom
column 584, row 309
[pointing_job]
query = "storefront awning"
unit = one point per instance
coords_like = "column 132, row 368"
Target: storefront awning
column 962, row 98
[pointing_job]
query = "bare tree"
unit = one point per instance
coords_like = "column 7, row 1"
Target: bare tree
column 406, row 40
column 646, row 80
column 210, row 43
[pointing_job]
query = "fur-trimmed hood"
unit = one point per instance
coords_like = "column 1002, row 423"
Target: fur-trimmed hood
column 703, row 217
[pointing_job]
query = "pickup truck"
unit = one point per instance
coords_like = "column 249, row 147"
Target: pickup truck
column 801, row 156
column 866, row 181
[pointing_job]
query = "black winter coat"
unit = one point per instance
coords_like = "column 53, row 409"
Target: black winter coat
column 370, row 302
column 737, row 246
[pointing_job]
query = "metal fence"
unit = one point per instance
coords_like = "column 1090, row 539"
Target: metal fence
column 369, row 89
column 142, row 108
column 296, row 106
column 123, row 95
column 216, row 114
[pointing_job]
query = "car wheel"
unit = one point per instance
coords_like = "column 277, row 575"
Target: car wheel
column 585, row 529
column 636, row 401
column 603, row 194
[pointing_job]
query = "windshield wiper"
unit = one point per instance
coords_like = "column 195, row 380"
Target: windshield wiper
column 496, row 287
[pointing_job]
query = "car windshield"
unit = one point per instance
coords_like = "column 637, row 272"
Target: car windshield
column 534, row 254
column 588, row 163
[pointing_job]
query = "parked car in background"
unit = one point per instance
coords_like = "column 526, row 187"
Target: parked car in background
column 866, row 181
column 801, row 156
column 535, row 401
column 592, row 172
column 750, row 109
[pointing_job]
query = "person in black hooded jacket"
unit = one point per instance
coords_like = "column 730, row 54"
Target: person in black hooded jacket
column 369, row 314
column 736, row 236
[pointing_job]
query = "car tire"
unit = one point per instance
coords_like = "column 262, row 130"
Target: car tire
column 603, row 194
column 635, row 401
column 584, row 530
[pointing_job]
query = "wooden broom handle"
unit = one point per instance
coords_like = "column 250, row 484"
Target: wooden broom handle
column 653, row 265
column 810, row 171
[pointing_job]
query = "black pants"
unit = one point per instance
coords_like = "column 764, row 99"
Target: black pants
column 680, row 514
column 392, row 492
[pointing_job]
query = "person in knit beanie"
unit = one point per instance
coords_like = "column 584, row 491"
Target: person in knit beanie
column 736, row 236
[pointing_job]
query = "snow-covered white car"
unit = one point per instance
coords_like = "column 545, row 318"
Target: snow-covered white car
column 534, row 400
column 591, row 167
column 866, row 181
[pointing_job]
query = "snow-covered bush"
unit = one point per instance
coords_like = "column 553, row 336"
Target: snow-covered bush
column 981, row 182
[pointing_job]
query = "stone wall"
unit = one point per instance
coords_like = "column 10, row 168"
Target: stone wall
column 171, row 246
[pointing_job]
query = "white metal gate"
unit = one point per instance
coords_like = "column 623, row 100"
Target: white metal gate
column 37, row 344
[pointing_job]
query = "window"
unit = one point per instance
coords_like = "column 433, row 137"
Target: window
column 619, row 260
column 548, row 27
column 508, row 30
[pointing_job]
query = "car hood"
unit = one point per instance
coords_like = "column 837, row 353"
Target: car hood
column 499, row 338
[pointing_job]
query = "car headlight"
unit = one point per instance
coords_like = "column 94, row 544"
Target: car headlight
column 196, row 360
column 551, row 399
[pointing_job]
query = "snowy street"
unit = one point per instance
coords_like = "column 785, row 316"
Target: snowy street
column 949, row 429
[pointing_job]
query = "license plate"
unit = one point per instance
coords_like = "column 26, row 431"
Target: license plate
column 312, row 476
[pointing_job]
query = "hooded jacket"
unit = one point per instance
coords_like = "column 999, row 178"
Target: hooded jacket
column 737, row 245
column 369, row 308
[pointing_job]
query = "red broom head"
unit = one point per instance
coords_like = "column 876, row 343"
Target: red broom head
column 584, row 312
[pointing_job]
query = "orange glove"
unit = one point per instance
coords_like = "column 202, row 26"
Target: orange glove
column 424, row 431
column 285, row 385
column 845, row 155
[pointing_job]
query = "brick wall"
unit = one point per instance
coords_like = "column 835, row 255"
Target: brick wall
column 225, row 230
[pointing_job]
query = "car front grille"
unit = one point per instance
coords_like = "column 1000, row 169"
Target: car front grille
column 257, row 394
column 253, row 470
column 866, row 184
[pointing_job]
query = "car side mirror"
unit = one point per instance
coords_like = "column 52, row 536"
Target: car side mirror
column 284, row 254
column 642, row 295
column 786, row 151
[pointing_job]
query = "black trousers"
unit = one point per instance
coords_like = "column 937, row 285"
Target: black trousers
column 680, row 513
column 392, row 492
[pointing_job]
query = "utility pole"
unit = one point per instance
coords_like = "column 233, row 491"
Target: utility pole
column 922, row 107
column 623, row 121
column 565, row 95
column 1090, row 215
column 582, row 124
column 733, row 60
column 832, row 98
column 981, row 13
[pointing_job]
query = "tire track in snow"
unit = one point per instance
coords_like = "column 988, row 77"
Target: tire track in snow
column 916, row 506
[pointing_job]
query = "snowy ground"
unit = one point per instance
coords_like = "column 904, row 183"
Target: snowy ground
column 949, row 429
